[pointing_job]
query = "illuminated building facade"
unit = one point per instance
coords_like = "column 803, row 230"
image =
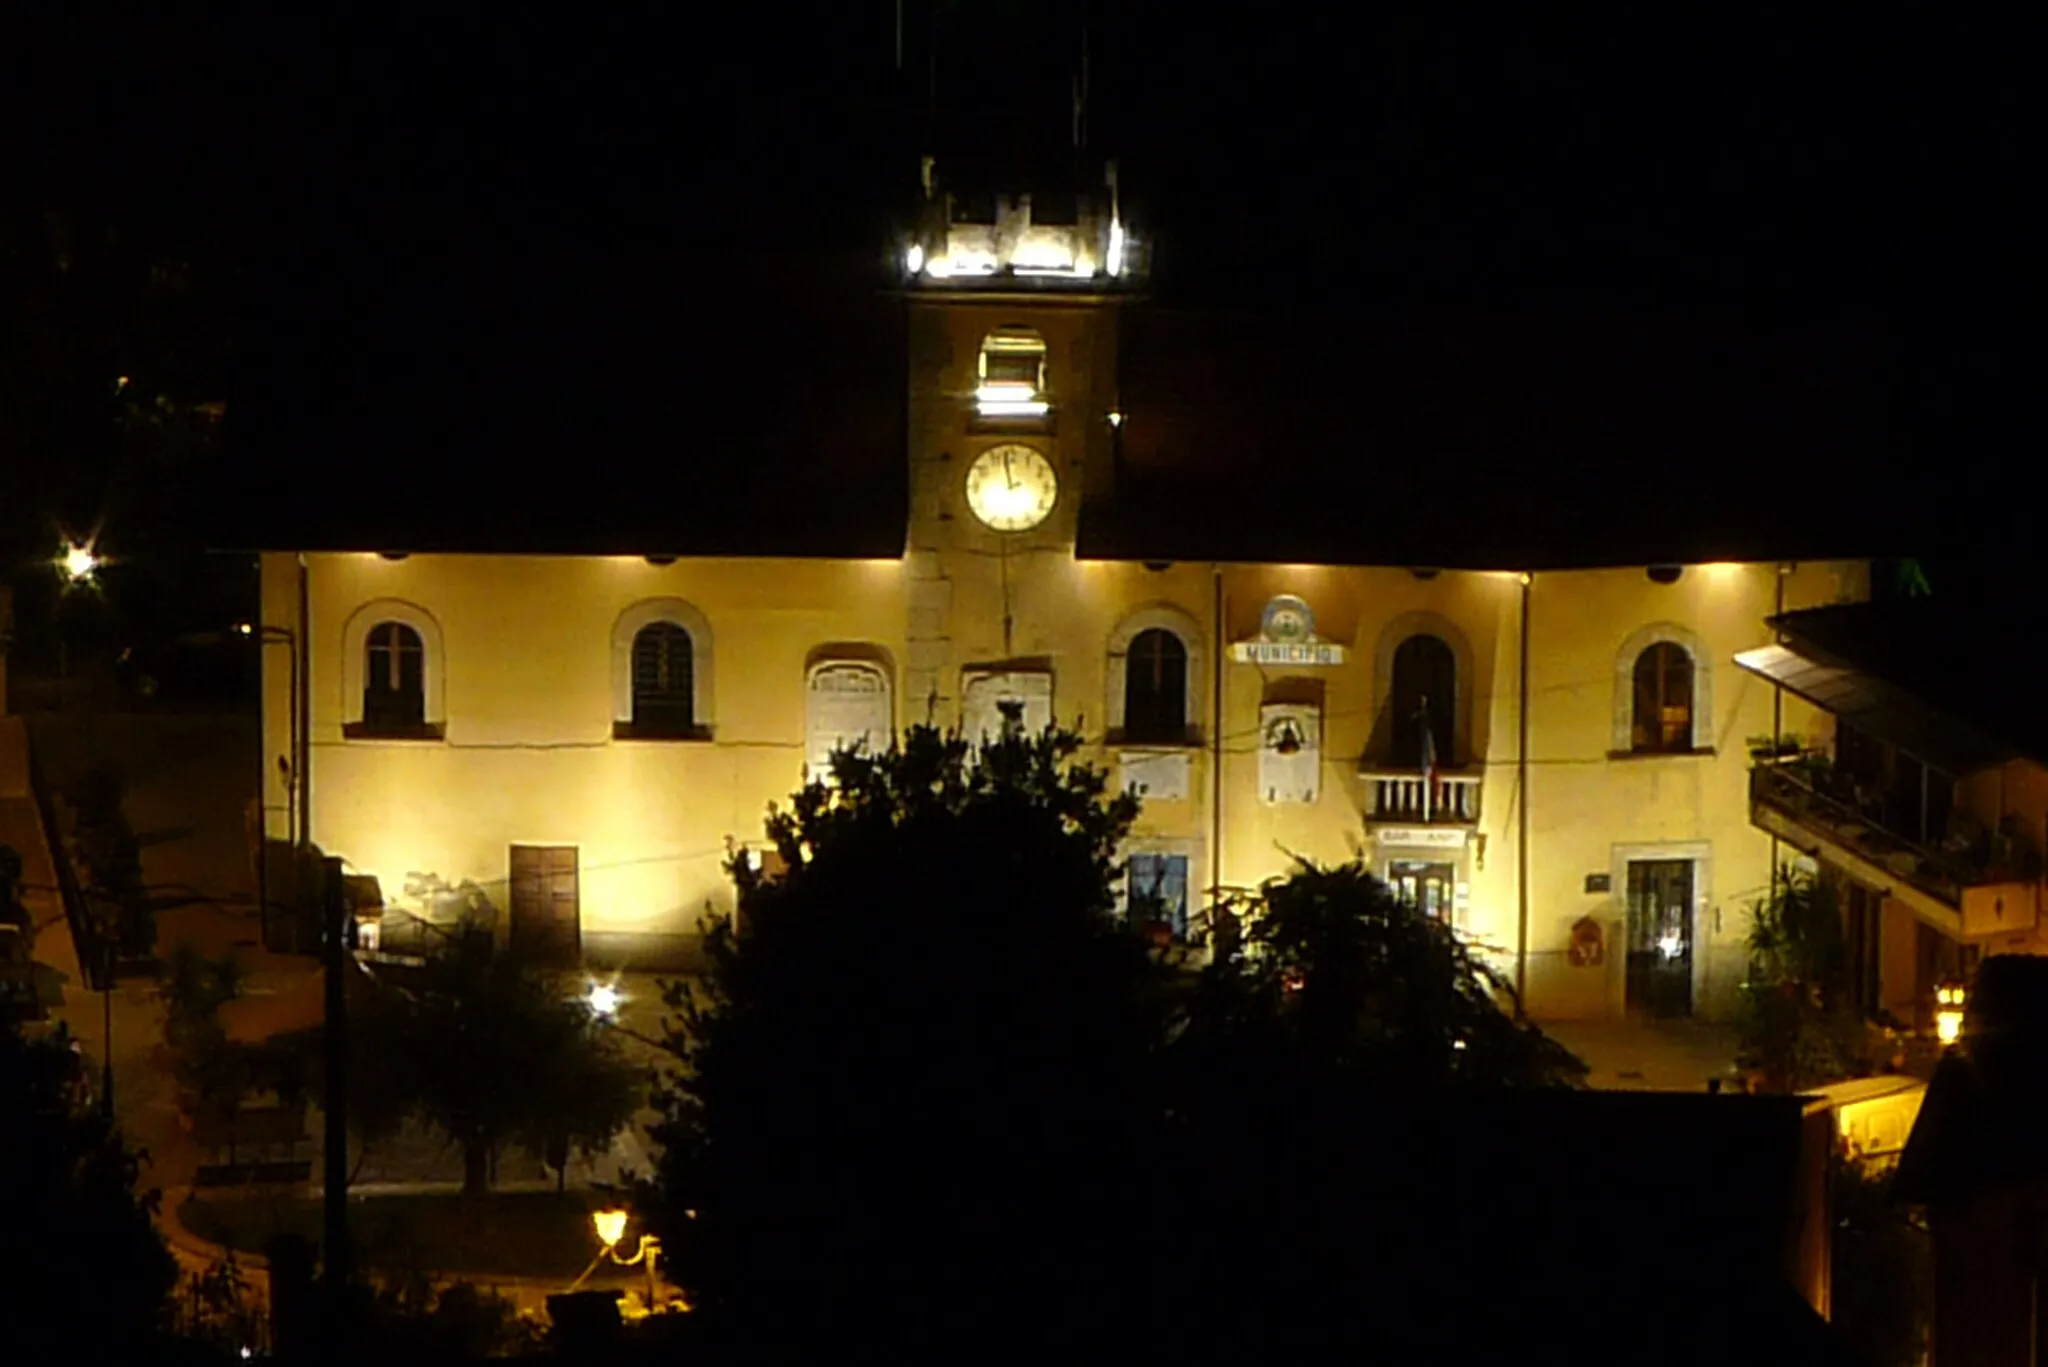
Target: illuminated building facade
column 1553, row 759
column 1009, row 484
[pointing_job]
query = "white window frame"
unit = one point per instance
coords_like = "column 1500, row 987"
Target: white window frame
column 812, row 760
column 676, row 612
column 355, row 668
column 1182, row 623
column 1686, row 639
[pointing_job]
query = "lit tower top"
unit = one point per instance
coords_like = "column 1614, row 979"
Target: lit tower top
column 1077, row 241
column 1014, row 192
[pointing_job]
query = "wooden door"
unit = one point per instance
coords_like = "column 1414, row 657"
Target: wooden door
column 547, row 927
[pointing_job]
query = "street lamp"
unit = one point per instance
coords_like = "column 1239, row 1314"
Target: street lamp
column 604, row 1002
column 79, row 562
column 610, row 1224
column 1949, row 1000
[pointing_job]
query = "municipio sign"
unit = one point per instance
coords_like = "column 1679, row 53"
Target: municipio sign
column 1287, row 636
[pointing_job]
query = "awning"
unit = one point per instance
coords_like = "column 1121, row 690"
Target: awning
column 1879, row 708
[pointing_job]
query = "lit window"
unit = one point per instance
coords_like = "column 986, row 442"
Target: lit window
column 1011, row 382
column 664, row 698
column 394, row 681
column 1663, row 699
column 1156, row 891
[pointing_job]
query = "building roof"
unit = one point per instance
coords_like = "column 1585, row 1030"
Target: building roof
column 1490, row 443
column 1936, row 678
column 639, row 405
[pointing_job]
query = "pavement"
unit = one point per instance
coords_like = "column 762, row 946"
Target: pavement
column 1651, row 1055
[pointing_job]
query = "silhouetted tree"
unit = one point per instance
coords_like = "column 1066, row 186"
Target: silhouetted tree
column 81, row 1264
column 490, row 1052
column 1797, row 1025
column 1332, row 1019
column 917, row 1107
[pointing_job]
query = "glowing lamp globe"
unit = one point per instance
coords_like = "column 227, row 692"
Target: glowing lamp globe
column 79, row 562
column 610, row 1225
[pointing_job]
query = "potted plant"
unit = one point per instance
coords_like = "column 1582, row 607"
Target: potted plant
column 1765, row 749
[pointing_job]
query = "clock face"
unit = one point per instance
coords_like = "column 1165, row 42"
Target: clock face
column 1012, row 488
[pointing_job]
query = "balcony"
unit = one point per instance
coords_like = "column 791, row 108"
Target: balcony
column 1992, row 891
column 1406, row 797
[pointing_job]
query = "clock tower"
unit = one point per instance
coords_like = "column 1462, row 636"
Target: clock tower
column 1013, row 413
column 1014, row 253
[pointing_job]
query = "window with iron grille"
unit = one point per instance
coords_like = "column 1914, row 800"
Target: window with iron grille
column 1157, row 891
column 1156, row 688
column 1663, row 700
column 664, row 682
column 394, row 679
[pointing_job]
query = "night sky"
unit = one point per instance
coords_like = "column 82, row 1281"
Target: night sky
column 332, row 173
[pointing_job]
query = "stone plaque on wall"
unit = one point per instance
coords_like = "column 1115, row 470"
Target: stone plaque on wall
column 848, row 704
column 1160, row 775
column 982, row 702
column 1290, row 752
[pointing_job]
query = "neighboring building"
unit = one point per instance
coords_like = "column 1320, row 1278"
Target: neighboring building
column 1977, row 1164
column 1919, row 786
column 577, row 701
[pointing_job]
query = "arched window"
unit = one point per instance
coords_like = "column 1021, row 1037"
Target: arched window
column 1663, row 707
column 394, row 678
column 1156, row 688
column 664, row 687
column 848, row 708
column 1424, row 699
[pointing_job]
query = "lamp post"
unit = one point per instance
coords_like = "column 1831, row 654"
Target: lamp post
column 1949, row 1001
column 275, row 635
column 107, row 1026
column 610, row 1224
column 291, row 765
column 76, row 566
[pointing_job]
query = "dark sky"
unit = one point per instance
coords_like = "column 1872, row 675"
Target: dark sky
column 1859, row 170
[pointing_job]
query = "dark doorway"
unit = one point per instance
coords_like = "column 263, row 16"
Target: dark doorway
column 547, row 927
column 1660, row 937
column 1425, row 679
column 1428, row 888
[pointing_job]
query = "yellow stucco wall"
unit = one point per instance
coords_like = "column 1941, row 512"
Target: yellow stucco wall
column 527, row 755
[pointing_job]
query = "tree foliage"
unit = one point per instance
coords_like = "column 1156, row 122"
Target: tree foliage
column 81, row 1264
column 490, row 1052
column 921, row 1051
column 1329, row 968
column 937, row 1092
column 1309, row 1066
column 1798, row 1026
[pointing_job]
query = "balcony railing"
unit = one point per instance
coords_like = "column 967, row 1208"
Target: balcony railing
column 1408, row 797
column 1842, row 822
